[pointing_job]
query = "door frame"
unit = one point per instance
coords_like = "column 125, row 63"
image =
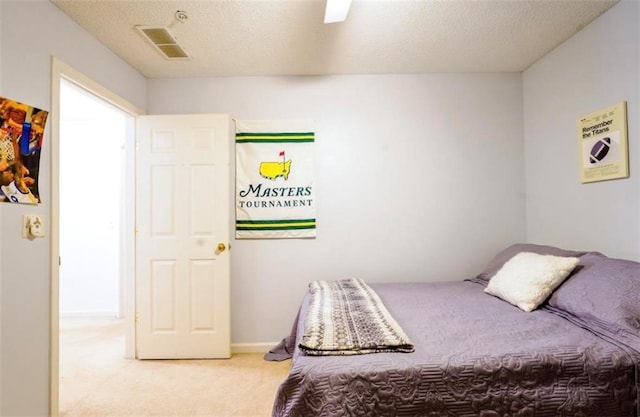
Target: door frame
column 61, row 71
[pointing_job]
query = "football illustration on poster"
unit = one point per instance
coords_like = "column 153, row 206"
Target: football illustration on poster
column 600, row 150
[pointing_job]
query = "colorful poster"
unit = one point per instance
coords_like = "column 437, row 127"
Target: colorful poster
column 21, row 135
column 274, row 179
column 602, row 143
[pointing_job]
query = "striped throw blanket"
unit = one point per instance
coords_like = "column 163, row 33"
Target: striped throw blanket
column 347, row 317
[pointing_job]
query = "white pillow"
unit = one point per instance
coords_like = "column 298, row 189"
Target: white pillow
column 527, row 279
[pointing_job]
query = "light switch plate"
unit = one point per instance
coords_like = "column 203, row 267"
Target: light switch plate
column 32, row 226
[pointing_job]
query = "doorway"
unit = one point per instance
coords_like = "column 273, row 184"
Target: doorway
column 123, row 228
column 91, row 196
column 91, row 165
column 212, row 318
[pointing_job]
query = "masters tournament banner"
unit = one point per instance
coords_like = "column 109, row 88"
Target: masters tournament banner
column 274, row 179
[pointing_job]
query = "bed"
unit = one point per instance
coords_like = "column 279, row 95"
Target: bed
column 575, row 354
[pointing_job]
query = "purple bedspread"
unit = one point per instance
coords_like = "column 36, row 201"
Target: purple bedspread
column 475, row 355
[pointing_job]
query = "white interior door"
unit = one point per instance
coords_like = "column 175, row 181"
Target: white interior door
column 182, row 221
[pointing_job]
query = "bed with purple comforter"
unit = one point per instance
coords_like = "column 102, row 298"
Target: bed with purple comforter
column 577, row 354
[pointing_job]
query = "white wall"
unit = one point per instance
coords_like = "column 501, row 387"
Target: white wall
column 596, row 68
column 30, row 33
column 418, row 178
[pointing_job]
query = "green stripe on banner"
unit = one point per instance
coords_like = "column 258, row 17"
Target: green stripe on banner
column 275, row 224
column 297, row 137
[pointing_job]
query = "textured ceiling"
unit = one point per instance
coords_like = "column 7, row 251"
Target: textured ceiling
column 288, row 37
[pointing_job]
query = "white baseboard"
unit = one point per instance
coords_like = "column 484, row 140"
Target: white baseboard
column 252, row 347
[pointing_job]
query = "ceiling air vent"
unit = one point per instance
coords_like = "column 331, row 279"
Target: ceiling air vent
column 164, row 41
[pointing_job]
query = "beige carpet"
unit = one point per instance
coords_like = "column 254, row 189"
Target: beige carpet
column 95, row 380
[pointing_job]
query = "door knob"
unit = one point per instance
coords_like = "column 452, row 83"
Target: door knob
column 221, row 247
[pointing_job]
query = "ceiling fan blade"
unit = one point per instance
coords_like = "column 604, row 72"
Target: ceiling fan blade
column 336, row 11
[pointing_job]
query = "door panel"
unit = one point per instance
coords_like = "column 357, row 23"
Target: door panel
column 182, row 215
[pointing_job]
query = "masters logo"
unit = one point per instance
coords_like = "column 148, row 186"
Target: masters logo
column 273, row 170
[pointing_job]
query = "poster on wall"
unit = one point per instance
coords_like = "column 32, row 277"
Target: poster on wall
column 602, row 143
column 21, row 134
column 275, row 198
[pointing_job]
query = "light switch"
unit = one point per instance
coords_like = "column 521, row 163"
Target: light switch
column 32, row 226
